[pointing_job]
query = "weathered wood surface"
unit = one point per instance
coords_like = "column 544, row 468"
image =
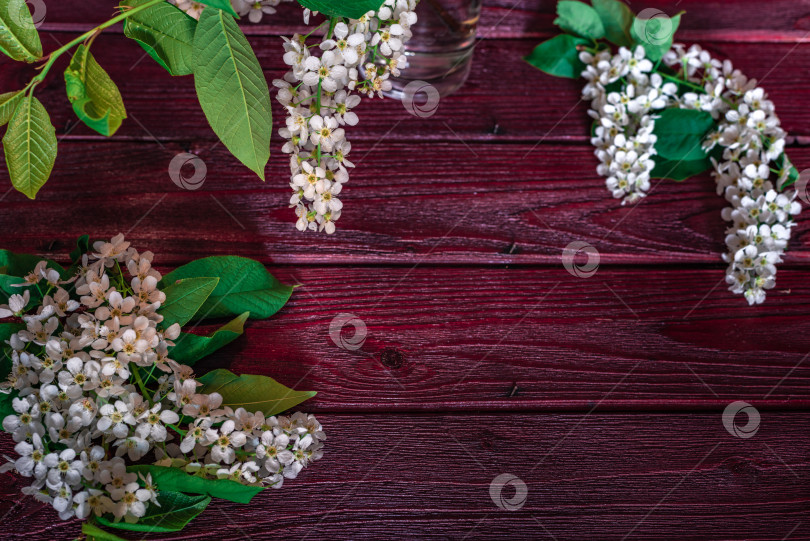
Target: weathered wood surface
column 483, row 355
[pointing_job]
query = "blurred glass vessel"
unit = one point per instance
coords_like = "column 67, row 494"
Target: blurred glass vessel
column 441, row 49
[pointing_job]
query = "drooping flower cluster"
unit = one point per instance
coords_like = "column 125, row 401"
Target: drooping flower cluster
column 319, row 92
column 625, row 93
column 624, row 138
column 95, row 390
column 254, row 9
column 750, row 172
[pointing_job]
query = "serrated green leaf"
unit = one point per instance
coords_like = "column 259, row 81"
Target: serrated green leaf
column 175, row 511
column 30, row 146
column 579, row 18
column 166, row 33
column 681, row 132
column 232, row 89
column 224, row 5
column 190, row 348
column 174, row 479
column 558, row 56
column 617, row 19
column 342, row 8
column 94, row 533
column 95, row 98
column 184, row 299
column 8, row 103
column 254, row 393
column 655, row 34
column 19, row 38
column 678, row 170
column 244, row 285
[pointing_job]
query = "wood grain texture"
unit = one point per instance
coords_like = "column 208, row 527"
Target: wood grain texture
column 459, row 338
column 633, row 476
column 775, row 20
column 483, row 355
column 482, row 208
column 492, row 106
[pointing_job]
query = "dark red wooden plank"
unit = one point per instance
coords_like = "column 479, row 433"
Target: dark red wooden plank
column 528, row 339
column 505, row 99
column 494, row 204
column 586, row 477
column 775, row 20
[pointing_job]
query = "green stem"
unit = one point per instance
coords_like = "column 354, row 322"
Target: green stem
column 63, row 49
column 687, row 83
column 177, row 429
column 141, row 386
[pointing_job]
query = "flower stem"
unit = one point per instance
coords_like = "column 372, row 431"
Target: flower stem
column 89, row 34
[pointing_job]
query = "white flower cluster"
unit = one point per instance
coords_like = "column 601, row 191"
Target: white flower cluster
column 318, row 93
column 254, row 9
column 751, row 171
column 625, row 92
column 96, row 390
column 624, row 139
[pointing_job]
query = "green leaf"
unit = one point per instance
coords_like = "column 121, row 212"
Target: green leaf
column 82, row 247
column 94, row 533
column 8, row 103
column 617, row 19
column 21, row 264
column 175, row 479
column 6, row 330
column 30, row 146
column 6, row 408
column 681, row 133
column 678, row 169
column 19, row 38
column 244, row 285
column 579, row 18
column 232, row 89
column 558, row 56
column 254, row 393
column 175, row 511
column 184, row 298
column 190, row 348
column 224, row 5
column 793, row 174
column 655, row 34
column 95, row 98
column 342, row 8
column 166, row 33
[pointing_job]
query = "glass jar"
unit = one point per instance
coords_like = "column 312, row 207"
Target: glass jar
column 441, row 49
